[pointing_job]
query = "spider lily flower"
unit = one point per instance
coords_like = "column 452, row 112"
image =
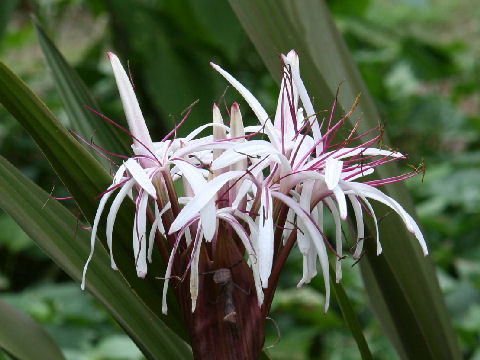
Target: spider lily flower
column 133, row 173
column 246, row 201
column 253, row 198
column 301, row 171
column 150, row 164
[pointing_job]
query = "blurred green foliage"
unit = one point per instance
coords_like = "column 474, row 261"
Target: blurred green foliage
column 420, row 61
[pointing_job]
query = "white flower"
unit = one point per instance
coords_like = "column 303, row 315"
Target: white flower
column 303, row 170
column 266, row 193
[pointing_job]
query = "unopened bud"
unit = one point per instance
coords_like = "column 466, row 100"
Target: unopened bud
column 237, row 130
column 219, row 133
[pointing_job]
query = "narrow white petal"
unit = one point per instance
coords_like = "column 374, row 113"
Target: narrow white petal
column 338, row 237
column 196, row 146
column 333, row 172
column 112, row 214
column 319, row 215
column 201, row 199
column 303, row 239
column 218, row 132
column 157, row 224
column 253, row 103
column 342, row 203
column 357, row 209
column 289, row 225
column 168, row 272
column 141, row 177
column 253, row 261
column 249, row 244
column 247, row 95
column 93, row 235
column 237, row 132
column 242, row 234
column 307, row 104
column 254, row 149
column 194, row 268
column 265, row 236
column 236, row 124
column 199, row 184
column 370, row 208
column 303, row 144
column 253, row 129
column 140, row 238
column 349, row 152
column 283, row 116
column 316, row 237
column 119, row 174
column 374, row 193
column 312, row 264
column 136, row 122
column 304, row 279
column 368, row 170
column 198, row 130
column 252, row 227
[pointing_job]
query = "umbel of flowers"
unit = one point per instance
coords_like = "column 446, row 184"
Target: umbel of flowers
column 250, row 194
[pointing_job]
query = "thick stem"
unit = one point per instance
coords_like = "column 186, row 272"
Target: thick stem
column 227, row 323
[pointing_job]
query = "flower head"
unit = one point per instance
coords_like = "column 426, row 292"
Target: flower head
column 257, row 196
column 306, row 173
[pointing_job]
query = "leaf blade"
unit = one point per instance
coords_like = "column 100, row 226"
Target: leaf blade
column 52, row 227
column 85, row 178
column 24, row 338
column 76, row 98
column 275, row 26
column 350, row 317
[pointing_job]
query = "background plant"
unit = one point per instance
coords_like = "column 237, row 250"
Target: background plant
column 418, row 59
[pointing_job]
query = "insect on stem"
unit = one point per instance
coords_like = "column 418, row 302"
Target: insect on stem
column 223, row 277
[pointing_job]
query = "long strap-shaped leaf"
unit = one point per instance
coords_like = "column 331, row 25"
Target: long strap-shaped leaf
column 24, row 338
column 350, row 317
column 52, row 227
column 76, row 97
column 401, row 283
column 85, row 178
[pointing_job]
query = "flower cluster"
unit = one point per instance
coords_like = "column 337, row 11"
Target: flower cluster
column 266, row 192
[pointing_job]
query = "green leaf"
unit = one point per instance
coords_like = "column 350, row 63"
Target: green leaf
column 349, row 316
column 85, row 178
column 76, row 97
column 23, row 338
column 52, row 227
column 155, row 36
column 402, row 284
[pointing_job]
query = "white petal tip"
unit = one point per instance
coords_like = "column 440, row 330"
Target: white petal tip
column 264, row 281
